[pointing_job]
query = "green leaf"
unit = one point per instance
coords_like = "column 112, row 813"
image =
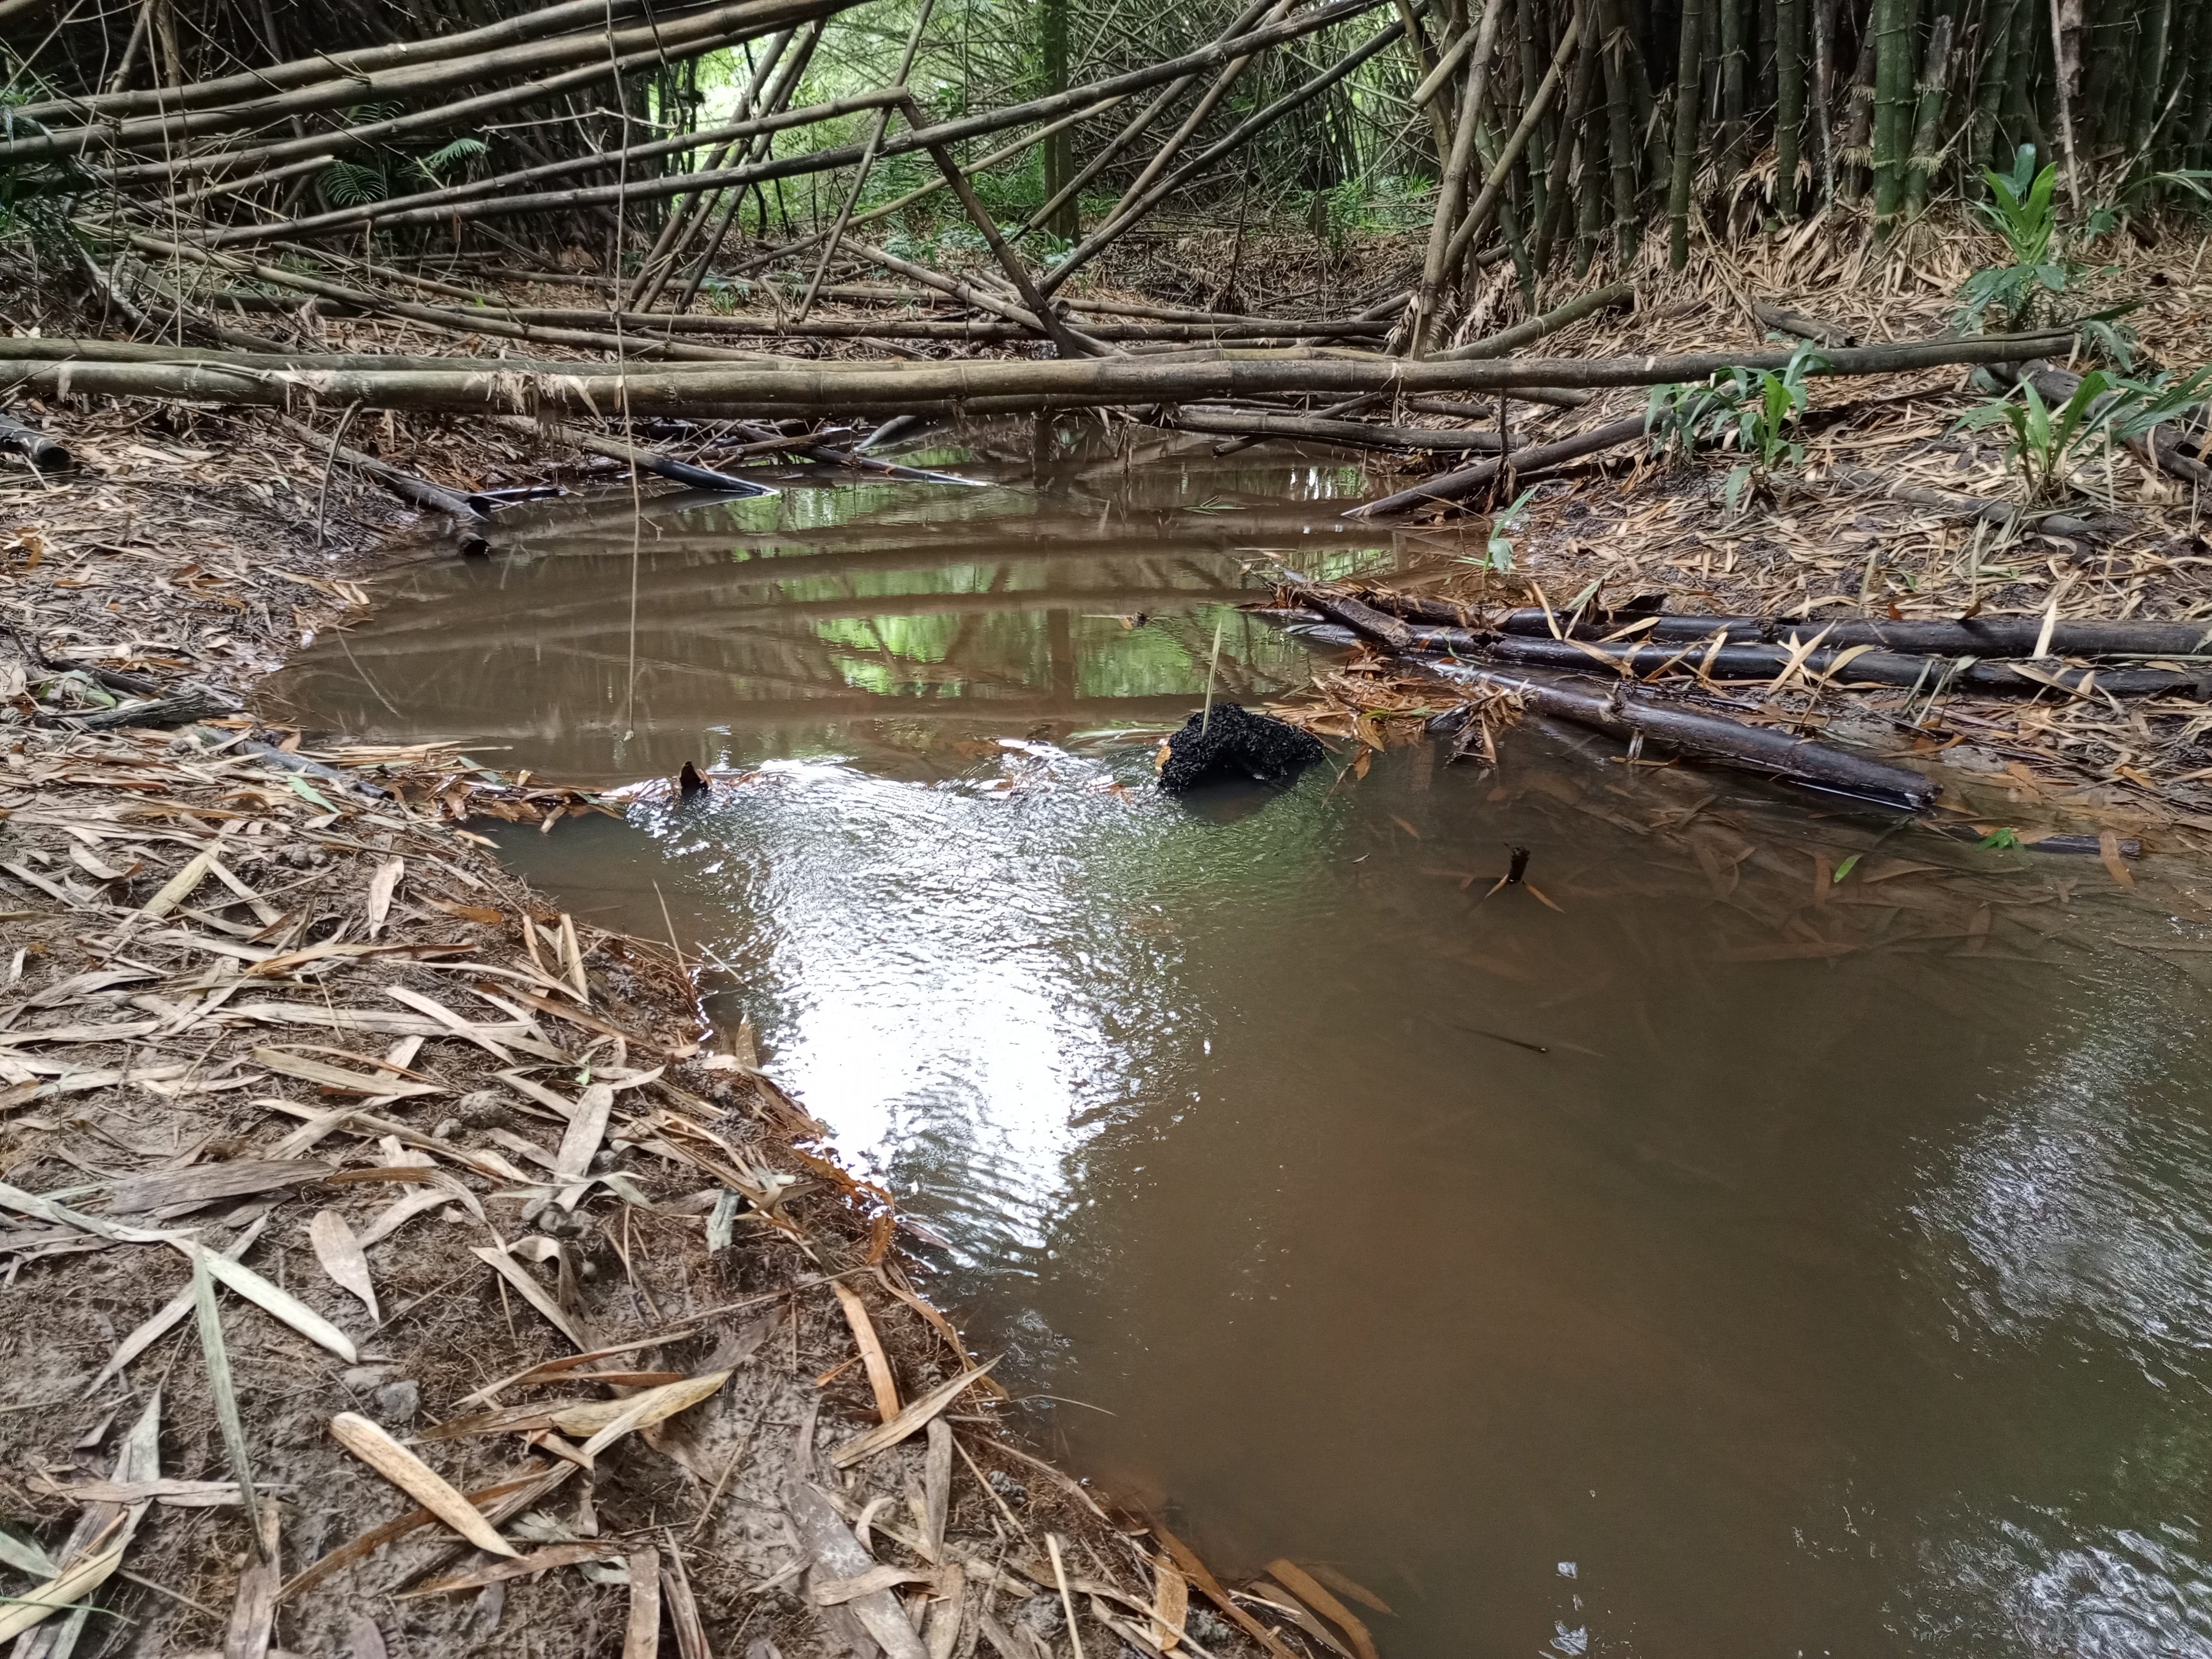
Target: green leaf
column 1999, row 840
column 307, row 791
column 1844, row 869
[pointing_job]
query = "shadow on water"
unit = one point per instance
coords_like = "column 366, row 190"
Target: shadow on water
column 1837, row 1279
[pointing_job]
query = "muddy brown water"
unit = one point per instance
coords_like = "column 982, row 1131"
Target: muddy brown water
column 1709, row 1251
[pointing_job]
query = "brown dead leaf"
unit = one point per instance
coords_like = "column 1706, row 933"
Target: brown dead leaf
column 370, row 1443
column 343, row 1258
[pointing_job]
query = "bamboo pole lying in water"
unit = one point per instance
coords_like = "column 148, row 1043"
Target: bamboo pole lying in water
column 1613, row 708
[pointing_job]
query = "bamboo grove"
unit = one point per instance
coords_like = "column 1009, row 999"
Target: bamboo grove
column 679, row 144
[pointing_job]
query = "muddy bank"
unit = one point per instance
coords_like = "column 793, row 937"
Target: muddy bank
column 452, row 1141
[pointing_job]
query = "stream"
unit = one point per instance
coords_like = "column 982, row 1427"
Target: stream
column 1685, row 1247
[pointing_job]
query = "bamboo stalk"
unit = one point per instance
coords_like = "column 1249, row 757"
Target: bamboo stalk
column 1687, row 78
column 396, row 215
column 1928, row 126
column 1491, row 198
column 1895, row 63
column 784, row 386
column 1452, row 189
column 1790, row 103
column 1732, row 89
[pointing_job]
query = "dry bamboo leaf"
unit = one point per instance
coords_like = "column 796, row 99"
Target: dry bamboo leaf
column 417, row 1479
column 1170, row 1604
column 220, row 1386
column 291, row 959
column 1302, row 1584
column 452, row 1021
column 907, row 1421
column 68, row 1587
column 2108, row 853
column 1344, row 1585
column 640, row 1411
column 572, row 959
column 587, row 1129
column 532, row 1292
column 342, row 1257
column 334, row 1077
column 1275, row 1596
column 525, row 1566
column 494, row 1499
column 252, row 1615
column 557, row 1371
column 180, row 1494
column 871, row 1350
column 172, row 1312
column 238, row 1178
column 683, row 1607
column 179, row 887
column 381, row 886
column 836, row 1592
column 390, row 1219
column 1195, row 1570
column 642, row 1630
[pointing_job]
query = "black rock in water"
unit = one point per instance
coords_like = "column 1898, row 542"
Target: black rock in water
column 1235, row 744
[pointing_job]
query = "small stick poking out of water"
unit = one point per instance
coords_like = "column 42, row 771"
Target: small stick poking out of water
column 1206, row 719
column 1517, row 873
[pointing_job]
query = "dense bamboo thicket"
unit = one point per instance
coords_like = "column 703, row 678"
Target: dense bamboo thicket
column 680, row 145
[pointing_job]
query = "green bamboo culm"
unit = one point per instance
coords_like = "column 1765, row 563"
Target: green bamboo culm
column 1556, row 192
column 2157, row 20
column 1928, row 127
column 1687, row 75
column 1788, row 102
column 1983, row 147
column 1731, row 88
column 1895, row 25
column 1620, row 133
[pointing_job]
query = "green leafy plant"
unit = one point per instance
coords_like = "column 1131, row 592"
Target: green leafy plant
column 2047, row 443
column 2108, row 217
column 355, row 184
column 1497, row 552
column 461, row 150
column 1679, row 414
column 1755, row 410
column 2022, row 207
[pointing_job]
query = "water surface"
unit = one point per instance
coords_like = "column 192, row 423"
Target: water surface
column 1706, row 1252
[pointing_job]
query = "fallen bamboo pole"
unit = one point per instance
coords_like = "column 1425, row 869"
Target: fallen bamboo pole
column 1314, row 428
column 787, row 387
column 1513, row 339
column 1624, row 713
column 1465, row 481
column 1838, row 664
column 1975, row 636
column 701, row 31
